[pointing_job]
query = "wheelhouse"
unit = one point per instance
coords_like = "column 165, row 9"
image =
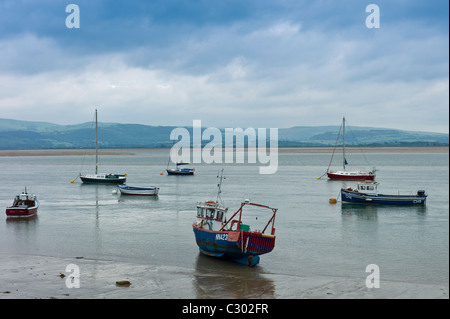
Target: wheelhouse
column 212, row 215
column 367, row 187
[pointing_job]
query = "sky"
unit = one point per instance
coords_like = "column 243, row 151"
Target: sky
column 228, row 63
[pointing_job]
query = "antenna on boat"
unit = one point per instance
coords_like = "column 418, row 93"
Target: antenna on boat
column 219, row 186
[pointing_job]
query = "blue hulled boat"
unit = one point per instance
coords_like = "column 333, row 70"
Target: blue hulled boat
column 180, row 171
column 216, row 236
column 367, row 193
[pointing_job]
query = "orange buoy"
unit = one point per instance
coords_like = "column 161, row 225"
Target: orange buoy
column 332, row 200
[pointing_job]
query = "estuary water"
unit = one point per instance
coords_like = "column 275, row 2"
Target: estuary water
column 314, row 237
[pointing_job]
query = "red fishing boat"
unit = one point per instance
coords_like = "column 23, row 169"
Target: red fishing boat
column 231, row 238
column 25, row 205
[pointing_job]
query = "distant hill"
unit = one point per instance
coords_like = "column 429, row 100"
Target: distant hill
column 363, row 136
column 15, row 134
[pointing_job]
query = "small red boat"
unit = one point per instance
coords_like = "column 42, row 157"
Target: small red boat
column 345, row 174
column 352, row 175
column 25, row 205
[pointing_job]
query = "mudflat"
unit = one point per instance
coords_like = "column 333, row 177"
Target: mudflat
column 74, row 152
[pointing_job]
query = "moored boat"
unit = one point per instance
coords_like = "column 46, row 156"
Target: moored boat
column 216, row 236
column 25, row 205
column 101, row 178
column 180, row 171
column 367, row 193
column 351, row 175
column 138, row 191
column 348, row 174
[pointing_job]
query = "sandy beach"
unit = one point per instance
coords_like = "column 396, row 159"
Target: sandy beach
column 81, row 152
column 31, row 277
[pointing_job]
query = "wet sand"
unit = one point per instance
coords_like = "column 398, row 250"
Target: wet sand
column 65, row 152
column 31, row 277
column 75, row 152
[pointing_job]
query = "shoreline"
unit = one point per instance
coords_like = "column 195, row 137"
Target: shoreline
column 32, row 276
column 134, row 151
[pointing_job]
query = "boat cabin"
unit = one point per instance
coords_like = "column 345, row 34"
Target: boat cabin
column 210, row 215
column 367, row 187
column 24, row 200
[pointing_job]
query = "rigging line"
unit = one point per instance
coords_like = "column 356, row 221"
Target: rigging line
column 368, row 163
column 86, row 149
column 337, row 139
column 173, row 143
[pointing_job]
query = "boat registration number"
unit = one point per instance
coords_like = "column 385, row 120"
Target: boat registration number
column 222, row 236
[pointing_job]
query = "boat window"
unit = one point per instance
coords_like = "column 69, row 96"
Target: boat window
column 199, row 211
column 210, row 213
column 219, row 215
column 363, row 187
column 370, row 188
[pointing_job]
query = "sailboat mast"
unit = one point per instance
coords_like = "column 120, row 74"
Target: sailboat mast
column 96, row 144
column 219, row 186
column 343, row 142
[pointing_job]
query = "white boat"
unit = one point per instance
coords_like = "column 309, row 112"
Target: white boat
column 139, row 191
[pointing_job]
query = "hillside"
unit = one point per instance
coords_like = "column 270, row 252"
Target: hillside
column 16, row 135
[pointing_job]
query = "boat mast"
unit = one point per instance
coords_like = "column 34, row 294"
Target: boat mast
column 219, row 186
column 96, row 144
column 343, row 142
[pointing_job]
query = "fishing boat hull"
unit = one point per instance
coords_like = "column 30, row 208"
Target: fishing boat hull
column 138, row 191
column 103, row 179
column 22, row 212
column 239, row 246
column 184, row 171
column 351, row 175
column 349, row 196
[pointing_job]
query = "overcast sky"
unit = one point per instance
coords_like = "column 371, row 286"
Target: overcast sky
column 228, row 63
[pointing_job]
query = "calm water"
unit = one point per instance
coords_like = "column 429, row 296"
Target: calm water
column 314, row 237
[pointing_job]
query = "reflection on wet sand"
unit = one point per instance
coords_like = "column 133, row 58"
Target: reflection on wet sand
column 219, row 278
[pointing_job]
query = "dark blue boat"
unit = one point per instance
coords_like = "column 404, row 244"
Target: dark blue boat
column 101, row 178
column 180, row 171
column 367, row 193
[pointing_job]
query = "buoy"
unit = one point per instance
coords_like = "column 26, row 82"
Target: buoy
column 72, row 181
column 161, row 173
column 332, row 200
column 126, row 174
